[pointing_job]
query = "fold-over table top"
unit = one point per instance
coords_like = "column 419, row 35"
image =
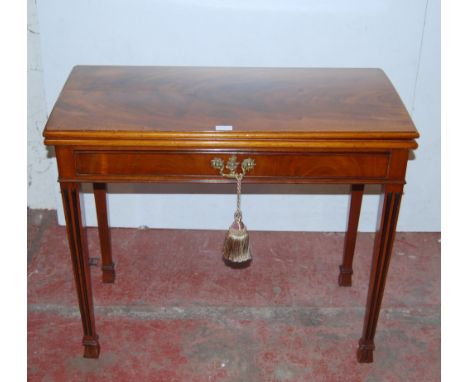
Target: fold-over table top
column 139, row 102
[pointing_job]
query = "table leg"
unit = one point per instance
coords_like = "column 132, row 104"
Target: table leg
column 107, row 266
column 346, row 268
column 81, row 268
column 380, row 263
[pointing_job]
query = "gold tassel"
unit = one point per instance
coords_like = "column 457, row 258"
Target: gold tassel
column 236, row 244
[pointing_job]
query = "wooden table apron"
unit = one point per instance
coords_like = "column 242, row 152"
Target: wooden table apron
column 101, row 157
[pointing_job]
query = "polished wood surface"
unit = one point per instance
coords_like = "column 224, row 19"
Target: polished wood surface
column 379, row 269
column 80, row 264
column 179, row 165
column 107, row 265
column 346, row 268
column 144, row 103
column 157, row 124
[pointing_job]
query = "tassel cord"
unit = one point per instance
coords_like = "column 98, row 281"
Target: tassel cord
column 238, row 213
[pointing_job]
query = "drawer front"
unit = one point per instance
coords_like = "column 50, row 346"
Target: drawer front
column 148, row 165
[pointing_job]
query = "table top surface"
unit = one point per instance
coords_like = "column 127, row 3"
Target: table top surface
column 314, row 102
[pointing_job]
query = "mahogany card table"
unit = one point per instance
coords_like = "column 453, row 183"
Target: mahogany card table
column 167, row 124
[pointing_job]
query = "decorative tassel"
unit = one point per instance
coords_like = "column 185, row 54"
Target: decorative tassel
column 236, row 243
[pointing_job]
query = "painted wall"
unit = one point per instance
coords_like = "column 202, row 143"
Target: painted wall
column 42, row 171
column 399, row 36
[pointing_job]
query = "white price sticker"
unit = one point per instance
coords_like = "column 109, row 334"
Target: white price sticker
column 223, row 128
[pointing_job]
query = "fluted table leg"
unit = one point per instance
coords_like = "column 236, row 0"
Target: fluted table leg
column 81, row 268
column 380, row 263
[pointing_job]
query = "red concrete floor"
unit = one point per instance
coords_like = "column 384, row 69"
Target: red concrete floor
column 177, row 313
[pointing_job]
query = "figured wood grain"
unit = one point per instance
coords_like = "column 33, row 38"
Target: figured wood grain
column 176, row 164
column 185, row 103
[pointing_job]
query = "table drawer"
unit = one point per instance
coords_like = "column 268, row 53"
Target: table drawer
column 196, row 165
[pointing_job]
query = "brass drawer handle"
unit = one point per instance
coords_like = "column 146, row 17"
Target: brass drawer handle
column 232, row 164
